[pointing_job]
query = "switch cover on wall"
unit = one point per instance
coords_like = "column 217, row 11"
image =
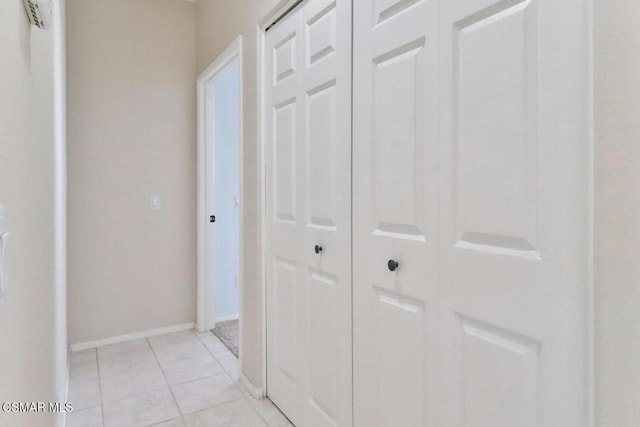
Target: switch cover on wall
column 154, row 202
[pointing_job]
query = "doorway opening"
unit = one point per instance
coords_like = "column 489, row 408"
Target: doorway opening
column 219, row 198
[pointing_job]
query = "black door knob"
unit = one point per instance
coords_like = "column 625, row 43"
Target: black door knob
column 212, row 218
column 392, row 265
column 318, row 249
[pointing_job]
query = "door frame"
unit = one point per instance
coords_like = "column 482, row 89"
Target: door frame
column 61, row 359
column 205, row 288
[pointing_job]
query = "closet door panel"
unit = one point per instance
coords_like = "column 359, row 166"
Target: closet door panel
column 514, row 87
column 326, row 88
column 470, row 211
column 394, row 211
column 310, row 199
column 285, row 269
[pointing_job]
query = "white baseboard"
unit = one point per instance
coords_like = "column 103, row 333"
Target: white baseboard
column 256, row 392
column 227, row 318
column 134, row 336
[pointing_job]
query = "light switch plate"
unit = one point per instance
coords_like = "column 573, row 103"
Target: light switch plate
column 154, row 202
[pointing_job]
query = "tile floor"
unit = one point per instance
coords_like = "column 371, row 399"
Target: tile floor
column 181, row 379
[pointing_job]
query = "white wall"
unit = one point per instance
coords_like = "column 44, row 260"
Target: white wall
column 131, row 98
column 224, row 91
column 617, row 212
column 27, row 319
column 219, row 22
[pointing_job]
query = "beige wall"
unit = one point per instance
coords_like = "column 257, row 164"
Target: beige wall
column 617, row 213
column 131, row 107
column 219, row 22
column 27, row 345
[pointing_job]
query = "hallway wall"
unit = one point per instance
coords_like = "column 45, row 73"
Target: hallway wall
column 219, row 22
column 617, row 213
column 27, row 318
column 131, row 96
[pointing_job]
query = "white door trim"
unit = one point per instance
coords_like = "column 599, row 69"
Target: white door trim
column 204, row 310
column 60, row 203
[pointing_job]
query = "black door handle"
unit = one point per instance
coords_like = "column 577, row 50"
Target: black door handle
column 318, row 249
column 393, row 265
column 212, row 218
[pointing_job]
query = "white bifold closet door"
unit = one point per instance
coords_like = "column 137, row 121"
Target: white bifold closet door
column 308, row 213
column 470, row 155
column 395, row 209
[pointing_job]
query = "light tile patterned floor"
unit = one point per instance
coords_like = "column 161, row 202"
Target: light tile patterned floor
column 184, row 379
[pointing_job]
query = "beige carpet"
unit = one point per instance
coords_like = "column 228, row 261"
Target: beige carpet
column 228, row 334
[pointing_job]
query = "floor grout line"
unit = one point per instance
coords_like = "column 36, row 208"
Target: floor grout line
column 100, row 387
column 216, row 359
column 240, row 387
column 226, row 371
column 264, row 420
column 167, row 381
column 128, row 353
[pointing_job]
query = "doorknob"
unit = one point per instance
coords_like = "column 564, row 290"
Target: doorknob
column 318, row 249
column 393, row 265
column 212, row 218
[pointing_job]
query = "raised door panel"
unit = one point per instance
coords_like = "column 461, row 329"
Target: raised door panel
column 322, row 33
column 395, row 210
column 285, row 161
column 321, row 156
column 501, row 375
column 496, row 101
column 286, row 308
column 324, row 353
column 284, row 58
column 400, row 349
column 512, row 211
column 386, row 9
column 398, row 142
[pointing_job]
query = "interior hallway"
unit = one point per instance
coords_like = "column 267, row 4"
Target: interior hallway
column 98, row 113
